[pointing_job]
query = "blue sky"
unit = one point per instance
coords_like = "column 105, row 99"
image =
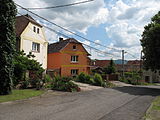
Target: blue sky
column 116, row 24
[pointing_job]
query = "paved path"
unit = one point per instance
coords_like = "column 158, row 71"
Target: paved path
column 86, row 87
column 122, row 103
column 120, row 84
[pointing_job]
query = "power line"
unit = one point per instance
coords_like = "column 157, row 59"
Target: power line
column 67, row 29
column 97, row 50
column 71, row 31
column 59, row 6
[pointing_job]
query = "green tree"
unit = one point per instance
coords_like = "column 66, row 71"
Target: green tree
column 111, row 68
column 151, row 43
column 7, row 44
column 22, row 64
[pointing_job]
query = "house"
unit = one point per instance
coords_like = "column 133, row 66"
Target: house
column 68, row 58
column 129, row 66
column 100, row 63
column 31, row 38
column 151, row 76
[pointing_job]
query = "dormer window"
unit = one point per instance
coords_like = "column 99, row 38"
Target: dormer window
column 34, row 29
column 74, row 47
column 38, row 30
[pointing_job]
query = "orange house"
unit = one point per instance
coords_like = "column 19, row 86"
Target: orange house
column 68, row 58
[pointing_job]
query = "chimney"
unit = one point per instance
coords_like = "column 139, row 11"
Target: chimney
column 60, row 39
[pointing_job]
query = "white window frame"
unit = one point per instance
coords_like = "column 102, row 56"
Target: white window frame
column 74, row 72
column 35, row 47
column 74, row 58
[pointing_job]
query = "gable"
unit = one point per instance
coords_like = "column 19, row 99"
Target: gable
column 22, row 22
column 30, row 34
column 79, row 49
column 65, row 44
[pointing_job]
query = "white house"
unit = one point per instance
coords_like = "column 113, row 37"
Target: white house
column 32, row 38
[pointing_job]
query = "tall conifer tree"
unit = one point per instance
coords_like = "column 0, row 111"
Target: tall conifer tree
column 7, row 44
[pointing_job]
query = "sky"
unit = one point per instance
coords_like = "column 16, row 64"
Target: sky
column 116, row 24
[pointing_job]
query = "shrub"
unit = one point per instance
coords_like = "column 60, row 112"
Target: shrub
column 64, row 84
column 81, row 78
column 98, row 80
column 47, row 79
column 131, row 78
column 109, row 84
column 24, row 84
column 89, row 80
column 85, row 78
column 22, row 64
column 95, row 80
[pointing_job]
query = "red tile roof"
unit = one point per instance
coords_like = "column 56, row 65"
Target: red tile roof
column 133, row 62
column 56, row 47
column 102, row 63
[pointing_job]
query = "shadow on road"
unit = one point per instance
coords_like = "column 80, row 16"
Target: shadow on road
column 138, row 90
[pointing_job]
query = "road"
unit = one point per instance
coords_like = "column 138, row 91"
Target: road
column 121, row 103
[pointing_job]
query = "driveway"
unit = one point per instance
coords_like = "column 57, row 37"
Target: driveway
column 121, row 103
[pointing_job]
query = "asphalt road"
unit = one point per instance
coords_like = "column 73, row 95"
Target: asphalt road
column 122, row 103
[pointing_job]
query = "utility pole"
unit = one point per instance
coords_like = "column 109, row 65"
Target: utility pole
column 122, row 63
column 141, row 73
column 141, row 62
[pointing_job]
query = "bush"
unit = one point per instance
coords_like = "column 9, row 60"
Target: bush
column 98, row 80
column 85, row 78
column 22, row 64
column 81, row 78
column 47, row 79
column 95, row 80
column 131, row 78
column 88, row 79
column 110, row 85
column 64, row 84
column 24, row 84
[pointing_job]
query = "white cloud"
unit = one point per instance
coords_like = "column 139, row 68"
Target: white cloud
column 76, row 18
column 124, row 35
column 86, row 42
column 127, row 21
column 97, row 41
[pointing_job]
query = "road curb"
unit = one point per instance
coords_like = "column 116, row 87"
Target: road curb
column 148, row 110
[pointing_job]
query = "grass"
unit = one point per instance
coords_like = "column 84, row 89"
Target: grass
column 156, row 104
column 20, row 94
column 154, row 110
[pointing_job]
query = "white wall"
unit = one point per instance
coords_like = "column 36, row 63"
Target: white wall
column 28, row 36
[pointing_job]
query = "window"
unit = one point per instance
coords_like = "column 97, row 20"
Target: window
column 74, row 72
column 74, row 47
column 38, row 30
column 74, row 58
column 35, row 47
column 34, row 29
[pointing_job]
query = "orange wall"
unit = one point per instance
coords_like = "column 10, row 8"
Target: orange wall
column 54, row 61
column 63, row 60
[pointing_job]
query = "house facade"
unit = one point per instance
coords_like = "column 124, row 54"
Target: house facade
column 151, row 76
column 31, row 38
column 68, row 58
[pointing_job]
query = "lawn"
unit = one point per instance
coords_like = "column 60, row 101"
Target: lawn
column 154, row 110
column 20, row 94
